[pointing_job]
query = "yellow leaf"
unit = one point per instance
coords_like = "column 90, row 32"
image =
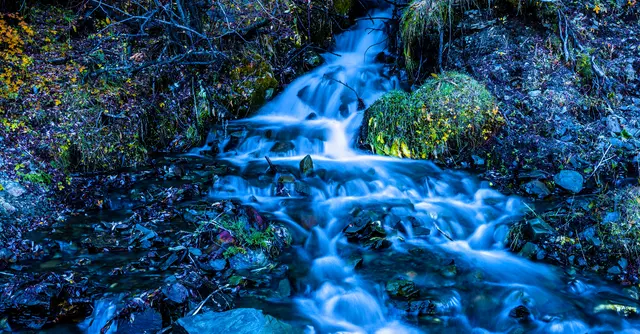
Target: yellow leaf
column 405, row 150
column 108, row 21
column 58, row 102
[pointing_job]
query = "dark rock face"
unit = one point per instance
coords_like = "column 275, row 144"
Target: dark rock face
column 240, row 321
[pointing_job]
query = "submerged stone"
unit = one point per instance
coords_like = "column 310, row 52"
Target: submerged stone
column 281, row 147
column 528, row 250
column 402, row 289
column 569, row 180
column 238, row 321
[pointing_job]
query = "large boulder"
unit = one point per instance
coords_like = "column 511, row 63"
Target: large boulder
column 237, row 321
column 450, row 114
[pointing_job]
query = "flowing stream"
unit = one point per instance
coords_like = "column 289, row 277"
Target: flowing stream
column 445, row 229
column 452, row 249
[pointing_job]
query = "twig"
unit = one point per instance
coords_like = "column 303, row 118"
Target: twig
column 207, row 299
column 443, row 232
column 602, row 160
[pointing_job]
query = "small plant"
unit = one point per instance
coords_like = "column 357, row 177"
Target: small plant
column 41, row 178
column 583, row 66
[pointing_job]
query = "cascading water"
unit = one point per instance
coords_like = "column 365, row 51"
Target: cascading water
column 467, row 221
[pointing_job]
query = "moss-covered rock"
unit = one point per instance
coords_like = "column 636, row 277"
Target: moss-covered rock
column 449, row 114
column 252, row 83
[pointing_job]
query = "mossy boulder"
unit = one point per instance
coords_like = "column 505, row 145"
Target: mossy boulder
column 252, row 84
column 450, row 114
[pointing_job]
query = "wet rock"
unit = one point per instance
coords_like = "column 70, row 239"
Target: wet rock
column 537, row 188
column 306, row 166
column 176, row 293
column 238, row 321
column 14, row 189
column 216, row 265
column 173, row 258
column 533, row 174
column 311, row 116
column 8, row 208
column 149, row 321
column 355, row 261
column 313, row 59
column 520, row 312
column 402, row 289
column 478, row 161
column 302, row 188
column 537, row 228
column 529, row 250
column 287, row 178
column 281, row 147
column 614, row 270
column 284, row 288
column 569, row 180
column 251, row 260
column 613, row 125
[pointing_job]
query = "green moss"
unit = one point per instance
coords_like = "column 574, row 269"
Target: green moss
column 342, row 7
column 252, row 84
column 449, row 114
column 233, row 250
column 583, row 66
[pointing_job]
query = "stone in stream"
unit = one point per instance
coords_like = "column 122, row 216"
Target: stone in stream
column 284, row 288
column 569, row 180
column 306, row 166
column 528, row 250
column 402, row 289
column 237, row 321
column 302, row 188
column 281, row 147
